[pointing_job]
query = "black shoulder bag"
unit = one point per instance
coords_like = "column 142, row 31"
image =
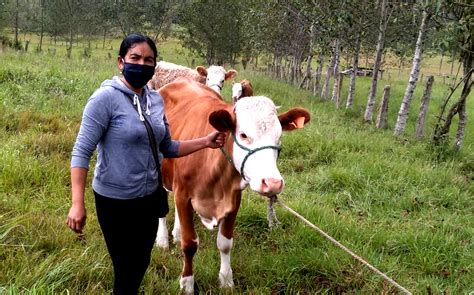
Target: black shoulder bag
column 161, row 194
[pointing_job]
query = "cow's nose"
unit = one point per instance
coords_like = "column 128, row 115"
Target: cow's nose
column 272, row 186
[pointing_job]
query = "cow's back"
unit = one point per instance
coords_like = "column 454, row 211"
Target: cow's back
column 188, row 105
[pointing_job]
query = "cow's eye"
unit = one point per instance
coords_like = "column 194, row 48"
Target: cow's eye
column 243, row 136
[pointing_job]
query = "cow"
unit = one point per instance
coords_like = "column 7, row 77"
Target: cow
column 210, row 182
column 214, row 76
column 242, row 89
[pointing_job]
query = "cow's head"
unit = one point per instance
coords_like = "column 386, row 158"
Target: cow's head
column 256, row 129
column 236, row 91
column 242, row 89
column 215, row 76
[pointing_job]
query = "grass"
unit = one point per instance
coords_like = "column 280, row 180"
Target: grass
column 391, row 200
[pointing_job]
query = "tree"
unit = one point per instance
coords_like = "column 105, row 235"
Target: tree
column 212, row 30
column 415, row 71
column 384, row 15
column 148, row 16
column 461, row 14
column 3, row 16
column 360, row 26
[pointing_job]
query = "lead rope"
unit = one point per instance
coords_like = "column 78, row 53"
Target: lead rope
column 387, row 278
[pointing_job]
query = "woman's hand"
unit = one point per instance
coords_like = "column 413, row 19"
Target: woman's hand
column 216, row 139
column 76, row 219
column 213, row 140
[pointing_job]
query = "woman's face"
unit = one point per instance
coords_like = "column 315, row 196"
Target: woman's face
column 139, row 53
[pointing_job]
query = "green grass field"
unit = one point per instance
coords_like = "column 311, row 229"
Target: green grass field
column 391, row 200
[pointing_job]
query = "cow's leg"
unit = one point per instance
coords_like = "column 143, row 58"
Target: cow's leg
column 271, row 213
column 162, row 235
column 189, row 244
column 224, row 244
column 176, row 227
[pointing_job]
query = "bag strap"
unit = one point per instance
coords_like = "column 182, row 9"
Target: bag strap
column 152, row 141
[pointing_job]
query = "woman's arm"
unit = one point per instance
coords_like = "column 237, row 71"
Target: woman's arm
column 76, row 219
column 214, row 140
column 95, row 120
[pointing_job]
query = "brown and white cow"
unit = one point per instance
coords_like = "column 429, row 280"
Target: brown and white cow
column 214, row 76
column 210, row 182
column 242, row 89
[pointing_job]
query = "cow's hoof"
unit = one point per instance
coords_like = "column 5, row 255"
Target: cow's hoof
column 176, row 236
column 163, row 244
column 226, row 280
column 187, row 285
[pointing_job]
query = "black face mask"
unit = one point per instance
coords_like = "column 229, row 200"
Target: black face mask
column 137, row 75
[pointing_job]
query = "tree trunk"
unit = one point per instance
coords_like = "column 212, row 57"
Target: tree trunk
column 40, row 45
column 415, row 71
column 103, row 40
column 317, row 78
column 335, row 88
column 378, row 58
column 71, row 40
column 455, row 109
column 461, row 127
column 425, row 100
column 330, row 71
column 367, row 59
column 441, row 132
column 70, row 29
column 381, row 122
column 452, row 63
column 271, row 66
column 293, row 70
column 400, row 68
column 355, row 66
column 305, row 82
column 17, row 12
column 278, row 67
column 441, row 63
column 384, row 54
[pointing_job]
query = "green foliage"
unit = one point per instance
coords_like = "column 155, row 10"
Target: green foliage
column 212, row 30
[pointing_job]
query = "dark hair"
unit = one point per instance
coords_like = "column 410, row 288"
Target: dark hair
column 134, row 38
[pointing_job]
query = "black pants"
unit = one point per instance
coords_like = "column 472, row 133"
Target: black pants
column 129, row 228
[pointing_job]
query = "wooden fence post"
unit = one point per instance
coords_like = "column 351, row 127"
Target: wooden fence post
column 425, row 100
column 381, row 122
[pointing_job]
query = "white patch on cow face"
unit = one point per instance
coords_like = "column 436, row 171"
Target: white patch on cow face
column 258, row 126
column 236, row 91
column 215, row 78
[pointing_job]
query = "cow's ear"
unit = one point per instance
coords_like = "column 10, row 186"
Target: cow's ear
column 202, row 71
column 294, row 119
column 230, row 74
column 222, row 121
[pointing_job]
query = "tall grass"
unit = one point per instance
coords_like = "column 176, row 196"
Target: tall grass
column 391, row 200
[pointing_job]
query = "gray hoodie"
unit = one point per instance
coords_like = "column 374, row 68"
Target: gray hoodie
column 125, row 166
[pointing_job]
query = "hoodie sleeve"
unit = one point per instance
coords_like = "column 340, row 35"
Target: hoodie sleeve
column 168, row 147
column 95, row 121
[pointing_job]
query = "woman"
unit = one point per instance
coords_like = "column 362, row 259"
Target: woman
column 125, row 182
